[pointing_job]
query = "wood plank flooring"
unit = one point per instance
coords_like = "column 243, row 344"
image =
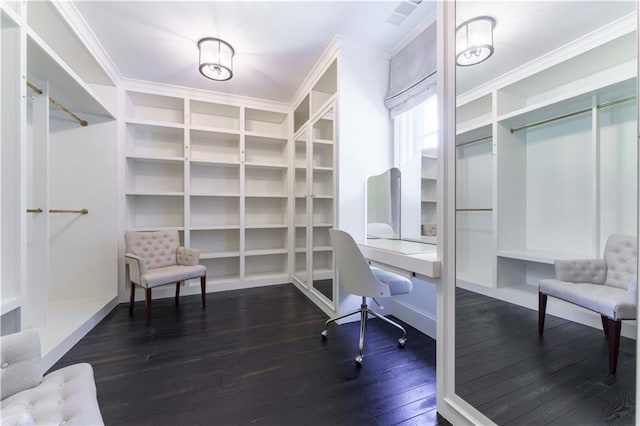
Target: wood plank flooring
column 516, row 378
column 255, row 357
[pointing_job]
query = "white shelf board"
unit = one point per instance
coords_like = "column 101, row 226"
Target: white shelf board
column 264, row 252
column 219, row 255
column 152, row 193
column 215, row 130
column 155, row 159
column 256, row 165
column 322, row 197
column 65, row 86
column 282, row 276
column 214, row 194
column 320, row 225
column 429, row 201
column 214, row 228
column 322, row 248
column 9, row 304
column 155, row 123
column 212, row 163
column 273, row 138
column 323, row 141
column 155, row 228
column 266, row 196
column 267, row 226
column 539, row 256
column 322, row 169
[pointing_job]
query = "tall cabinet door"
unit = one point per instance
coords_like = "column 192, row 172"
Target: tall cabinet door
column 301, row 197
column 322, row 204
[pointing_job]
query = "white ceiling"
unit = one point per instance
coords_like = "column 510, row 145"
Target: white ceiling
column 276, row 43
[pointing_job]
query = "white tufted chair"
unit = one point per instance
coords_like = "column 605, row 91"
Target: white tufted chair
column 155, row 258
column 608, row 286
column 63, row 397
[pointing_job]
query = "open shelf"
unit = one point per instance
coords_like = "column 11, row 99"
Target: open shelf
column 149, row 107
column 268, row 123
column 208, row 115
column 215, row 179
column 214, row 146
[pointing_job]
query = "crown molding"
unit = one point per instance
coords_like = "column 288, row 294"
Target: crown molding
column 426, row 23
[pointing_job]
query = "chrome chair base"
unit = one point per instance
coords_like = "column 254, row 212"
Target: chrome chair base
column 364, row 312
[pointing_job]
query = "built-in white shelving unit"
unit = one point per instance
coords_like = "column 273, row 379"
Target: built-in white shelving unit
column 546, row 165
column 217, row 172
column 58, row 272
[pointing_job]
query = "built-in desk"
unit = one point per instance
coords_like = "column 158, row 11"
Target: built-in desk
column 420, row 260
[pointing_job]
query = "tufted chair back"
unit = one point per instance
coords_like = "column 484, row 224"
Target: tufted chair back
column 620, row 254
column 158, row 248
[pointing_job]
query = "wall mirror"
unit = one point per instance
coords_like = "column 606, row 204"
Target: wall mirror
column 546, row 169
column 383, row 205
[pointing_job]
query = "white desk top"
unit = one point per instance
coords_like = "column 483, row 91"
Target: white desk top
column 419, row 259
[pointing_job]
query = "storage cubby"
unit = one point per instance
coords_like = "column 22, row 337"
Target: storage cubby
column 215, row 179
column 325, row 88
column 262, row 150
column 265, row 211
column 211, row 212
column 475, row 113
column 300, row 153
column 322, row 264
column 154, row 211
column 300, row 212
column 216, row 243
column 323, row 129
column 262, row 181
column 154, row 141
column 322, row 185
column 301, row 114
column 150, row 176
column 323, row 212
column 260, row 266
column 215, row 147
column 209, row 115
column 300, row 266
column 322, row 155
column 266, row 239
column 321, row 239
column 300, row 183
column 300, row 238
column 605, row 71
column 154, row 108
column 269, row 123
column 226, row 269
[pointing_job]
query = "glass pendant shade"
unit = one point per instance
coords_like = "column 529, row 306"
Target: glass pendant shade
column 216, row 59
column 474, row 41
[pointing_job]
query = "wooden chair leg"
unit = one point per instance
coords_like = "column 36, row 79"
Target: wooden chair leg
column 613, row 331
column 203, row 285
column 542, row 309
column 604, row 325
column 132, row 298
column 148, row 304
column 177, row 292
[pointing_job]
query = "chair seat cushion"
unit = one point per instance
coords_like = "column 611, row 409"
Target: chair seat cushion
column 397, row 283
column 65, row 397
column 611, row 301
column 172, row 274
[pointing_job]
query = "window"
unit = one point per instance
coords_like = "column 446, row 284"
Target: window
column 416, row 130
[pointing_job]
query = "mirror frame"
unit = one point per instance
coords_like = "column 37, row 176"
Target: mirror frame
column 449, row 404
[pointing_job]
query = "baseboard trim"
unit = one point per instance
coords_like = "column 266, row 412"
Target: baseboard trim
column 414, row 316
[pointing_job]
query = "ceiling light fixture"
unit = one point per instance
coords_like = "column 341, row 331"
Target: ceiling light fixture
column 216, row 59
column 474, row 41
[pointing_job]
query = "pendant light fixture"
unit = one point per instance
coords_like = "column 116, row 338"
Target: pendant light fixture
column 474, row 41
column 216, row 59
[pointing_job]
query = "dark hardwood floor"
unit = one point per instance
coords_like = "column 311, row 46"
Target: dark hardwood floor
column 254, row 357
column 516, row 378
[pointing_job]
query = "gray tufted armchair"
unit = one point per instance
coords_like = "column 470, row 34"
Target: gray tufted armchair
column 608, row 286
column 154, row 258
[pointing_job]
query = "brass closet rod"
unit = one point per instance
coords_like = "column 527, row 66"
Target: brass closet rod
column 81, row 211
column 58, row 105
column 571, row 114
column 486, row 138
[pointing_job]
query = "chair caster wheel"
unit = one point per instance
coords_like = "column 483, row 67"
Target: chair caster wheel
column 324, row 335
column 401, row 342
column 358, row 361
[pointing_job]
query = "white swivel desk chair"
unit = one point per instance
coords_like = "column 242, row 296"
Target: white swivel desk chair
column 357, row 277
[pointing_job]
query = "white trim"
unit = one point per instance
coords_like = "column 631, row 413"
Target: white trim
column 426, row 23
column 417, row 318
